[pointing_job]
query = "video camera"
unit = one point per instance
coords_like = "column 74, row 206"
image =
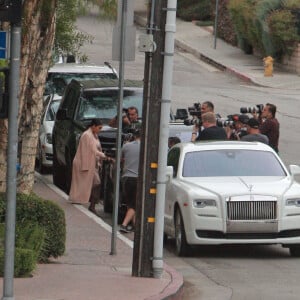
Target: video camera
column 251, row 110
column 195, row 112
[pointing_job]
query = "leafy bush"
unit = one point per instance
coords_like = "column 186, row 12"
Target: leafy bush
column 189, row 10
column 225, row 27
column 48, row 215
column 242, row 15
column 265, row 25
column 28, row 236
column 291, row 4
column 25, row 262
column 29, row 241
column 283, row 31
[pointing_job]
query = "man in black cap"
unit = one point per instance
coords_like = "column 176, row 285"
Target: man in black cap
column 254, row 134
column 238, row 130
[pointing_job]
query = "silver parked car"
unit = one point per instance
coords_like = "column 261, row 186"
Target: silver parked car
column 231, row 193
column 44, row 154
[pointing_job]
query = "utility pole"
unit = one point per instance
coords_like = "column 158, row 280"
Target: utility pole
column 146, row 190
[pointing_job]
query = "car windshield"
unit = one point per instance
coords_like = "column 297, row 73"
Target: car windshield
column 103, row 104
column 214, row 163
column 52, row 109
column 56, row 82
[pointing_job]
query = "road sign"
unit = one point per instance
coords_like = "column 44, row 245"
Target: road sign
column 3, row 43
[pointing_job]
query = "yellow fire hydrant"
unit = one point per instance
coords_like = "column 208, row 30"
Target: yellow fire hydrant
column 268, row 64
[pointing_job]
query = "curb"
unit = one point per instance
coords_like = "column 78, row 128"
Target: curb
column 174, row 291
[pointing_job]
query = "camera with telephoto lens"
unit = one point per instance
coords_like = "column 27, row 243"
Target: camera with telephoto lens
column 229, row 122
column 251, row 110
column 195, row 112
column 225, row 122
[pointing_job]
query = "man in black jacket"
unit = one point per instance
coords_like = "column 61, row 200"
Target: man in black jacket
column 211, row 131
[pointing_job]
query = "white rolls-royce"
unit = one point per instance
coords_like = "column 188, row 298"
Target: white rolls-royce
column 231, row 193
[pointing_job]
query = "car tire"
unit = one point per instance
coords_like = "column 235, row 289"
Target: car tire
column 182, row 247
column 295, row 250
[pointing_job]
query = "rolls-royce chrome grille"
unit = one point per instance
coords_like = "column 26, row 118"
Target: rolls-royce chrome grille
column 254, row 209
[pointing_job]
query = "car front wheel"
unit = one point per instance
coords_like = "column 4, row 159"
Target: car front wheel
column 182, row 247
column 295, row 250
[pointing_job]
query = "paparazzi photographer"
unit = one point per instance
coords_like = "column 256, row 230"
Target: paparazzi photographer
column 130, row 120
column 206, row 106
column 239, row 129
column 211, row 131
column 254, row 134
column 268, row 124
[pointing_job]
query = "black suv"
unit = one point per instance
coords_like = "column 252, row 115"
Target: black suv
column 83, row 101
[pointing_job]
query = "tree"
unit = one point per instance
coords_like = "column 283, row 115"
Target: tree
column 38, row 27
column 38, row 40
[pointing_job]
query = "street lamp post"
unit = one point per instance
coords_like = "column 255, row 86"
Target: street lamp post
column 216, row 24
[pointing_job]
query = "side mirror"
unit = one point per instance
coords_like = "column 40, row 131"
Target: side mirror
column 61, row 114
column 295, row 170
column 169, row 172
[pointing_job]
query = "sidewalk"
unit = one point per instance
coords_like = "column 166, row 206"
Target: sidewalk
column 200, row 42
column 87, row 270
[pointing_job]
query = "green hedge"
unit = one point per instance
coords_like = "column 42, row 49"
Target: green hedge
column 29, row 242
column 45, row 213
column 25, row 262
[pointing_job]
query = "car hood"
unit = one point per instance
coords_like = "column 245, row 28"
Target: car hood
column 228, row 186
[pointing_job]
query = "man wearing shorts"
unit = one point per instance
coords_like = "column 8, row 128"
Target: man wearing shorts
column 130, row 158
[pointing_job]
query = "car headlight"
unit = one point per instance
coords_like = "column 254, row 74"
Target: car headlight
column 293, row 202
column 200, row 203
column 49, row 138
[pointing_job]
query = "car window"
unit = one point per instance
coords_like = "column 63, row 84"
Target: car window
column 173, row 159
column 215, row 163
column 103, row 104
column 56, row 81
column 51, row 112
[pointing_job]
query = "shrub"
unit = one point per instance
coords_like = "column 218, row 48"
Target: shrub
column 283, row 31
column 29, row 241
column 242, row 15
column 25, row 262
column 48, row 215
column 194, row 10
column 28, row 236
column 225, row 27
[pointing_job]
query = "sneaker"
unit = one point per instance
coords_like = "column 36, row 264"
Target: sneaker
column 130, row 228
column 125, row 229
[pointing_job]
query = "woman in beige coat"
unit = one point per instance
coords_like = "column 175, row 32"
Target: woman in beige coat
column 85, row 186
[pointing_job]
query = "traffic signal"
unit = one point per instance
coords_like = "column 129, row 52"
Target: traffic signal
column 10, row 11
column 4, row 77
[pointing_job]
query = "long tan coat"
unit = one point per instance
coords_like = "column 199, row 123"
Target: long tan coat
column 85, row 164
